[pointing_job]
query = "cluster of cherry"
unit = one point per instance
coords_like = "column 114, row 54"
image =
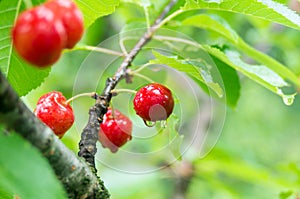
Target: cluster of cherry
column 42, row 32
column 152, row 102
column 39, row 35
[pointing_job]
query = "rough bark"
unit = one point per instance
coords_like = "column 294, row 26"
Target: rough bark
column 77, row 178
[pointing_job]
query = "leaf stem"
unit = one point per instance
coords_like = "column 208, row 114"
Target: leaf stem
column 96, row 49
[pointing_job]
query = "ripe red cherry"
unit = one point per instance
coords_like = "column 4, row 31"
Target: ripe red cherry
column 71, row 16
column 38, row 37
column 115, row 130
column 153, row 102
column 52, row 110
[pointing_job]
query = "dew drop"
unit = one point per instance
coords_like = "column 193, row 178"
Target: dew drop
column 288, row 99
column 163, row 124
column 149, row 123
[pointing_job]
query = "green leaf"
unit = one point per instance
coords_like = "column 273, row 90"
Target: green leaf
column 220, row 26
column 25, row 172
column 285, row 194
column 93, row 9
column 22, row 76
column 264, row 9
column 5, row 194
column 231, row 83
column 259, row 73
column 214, row 23
column 198, row 71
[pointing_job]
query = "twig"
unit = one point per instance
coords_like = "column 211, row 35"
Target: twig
column 78, row 180
column 89, row 136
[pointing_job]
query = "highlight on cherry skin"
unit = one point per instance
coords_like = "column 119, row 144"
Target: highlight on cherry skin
column 54, row 111
column 153, row 102
column 115, row 130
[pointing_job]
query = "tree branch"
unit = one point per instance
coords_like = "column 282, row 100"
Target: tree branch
column 89, row 136
column 78, row 180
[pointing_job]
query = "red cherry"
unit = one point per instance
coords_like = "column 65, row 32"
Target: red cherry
column 38, row 37
column 71, row 16
column 52, row 110
column 153, row 102
column 115, row 130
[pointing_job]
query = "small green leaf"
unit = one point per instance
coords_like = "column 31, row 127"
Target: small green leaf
column 93, row 9
column 264, row 9
column 259, row 73
column 25, row 172
column 217, row 24
column 198, row 71
column 22, row 76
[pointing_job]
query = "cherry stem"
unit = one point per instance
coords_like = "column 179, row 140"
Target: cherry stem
column 122, row 90
column 92, row 95
column 136, row 72
column 143, row 77
column 141, row 68
column 146, row 11
column 122, row 46
column 96, row 49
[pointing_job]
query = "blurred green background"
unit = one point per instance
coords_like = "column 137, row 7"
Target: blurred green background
column 256, row 154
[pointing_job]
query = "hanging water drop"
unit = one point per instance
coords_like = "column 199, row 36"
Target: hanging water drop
column 163, row 124
column 149, row 123
column 288, row 99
